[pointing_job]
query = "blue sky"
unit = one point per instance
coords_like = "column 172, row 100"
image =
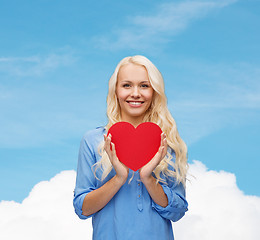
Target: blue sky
column 56, row 58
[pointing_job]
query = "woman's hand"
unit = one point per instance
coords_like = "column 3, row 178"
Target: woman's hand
column 146, row 170
column 121, row 170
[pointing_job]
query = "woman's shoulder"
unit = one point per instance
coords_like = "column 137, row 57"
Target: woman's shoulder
column 92, row 138
column 92, row 133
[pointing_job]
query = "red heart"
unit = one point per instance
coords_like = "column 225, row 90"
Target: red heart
column 135, row 146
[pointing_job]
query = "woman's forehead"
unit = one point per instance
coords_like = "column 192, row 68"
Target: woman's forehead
column 132, row 72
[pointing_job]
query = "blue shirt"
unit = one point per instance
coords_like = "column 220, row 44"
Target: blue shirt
column 131, row 213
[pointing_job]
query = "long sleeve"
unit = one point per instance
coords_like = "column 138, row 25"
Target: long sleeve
column 177, row 204
column 85, row 181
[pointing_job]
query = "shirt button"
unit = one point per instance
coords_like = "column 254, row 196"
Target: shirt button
column 139, row 196
column 138, row 184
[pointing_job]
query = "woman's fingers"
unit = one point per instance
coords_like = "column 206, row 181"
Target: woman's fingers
column 160, row 154
column 162, row 149
column 113, row 150
column 162, row 137
column 107, row 145
column 163, row 146
column 110, row 148
column 121, row 169
column 109, row 142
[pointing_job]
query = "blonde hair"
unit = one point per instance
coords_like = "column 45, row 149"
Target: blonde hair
column 157, row 113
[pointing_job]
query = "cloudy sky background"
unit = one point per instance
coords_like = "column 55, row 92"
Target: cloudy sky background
column 55, row 61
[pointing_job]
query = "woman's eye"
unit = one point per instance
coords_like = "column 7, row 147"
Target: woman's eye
column 145, row 85
column 126, row 85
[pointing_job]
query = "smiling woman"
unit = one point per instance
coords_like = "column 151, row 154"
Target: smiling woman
column 134, row 93
column 125, row 204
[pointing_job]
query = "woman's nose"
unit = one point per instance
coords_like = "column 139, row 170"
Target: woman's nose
column 135, row 92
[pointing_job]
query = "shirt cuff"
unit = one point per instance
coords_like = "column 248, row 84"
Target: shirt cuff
column 173, row 204
column 78, row 207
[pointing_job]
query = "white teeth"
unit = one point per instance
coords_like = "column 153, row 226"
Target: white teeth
column 135, row 103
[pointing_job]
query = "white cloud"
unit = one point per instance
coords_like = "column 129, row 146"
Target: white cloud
column 168, row 20
column 34, row 65
column 33, row 59
column 217, row 210
column 47, row 213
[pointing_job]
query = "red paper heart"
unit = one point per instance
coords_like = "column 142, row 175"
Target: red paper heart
column 135, row 146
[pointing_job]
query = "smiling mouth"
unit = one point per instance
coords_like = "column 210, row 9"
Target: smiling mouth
column 135, row 102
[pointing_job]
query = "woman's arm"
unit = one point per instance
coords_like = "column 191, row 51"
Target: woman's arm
column 168, row 201
column 97, row 199
column 177, row 204
column 154, row 189
column 89, row 199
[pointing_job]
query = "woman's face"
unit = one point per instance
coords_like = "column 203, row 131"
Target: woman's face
column 134, row 92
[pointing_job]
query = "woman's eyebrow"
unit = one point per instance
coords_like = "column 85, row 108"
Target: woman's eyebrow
column 131, row 81
column 125, row 81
